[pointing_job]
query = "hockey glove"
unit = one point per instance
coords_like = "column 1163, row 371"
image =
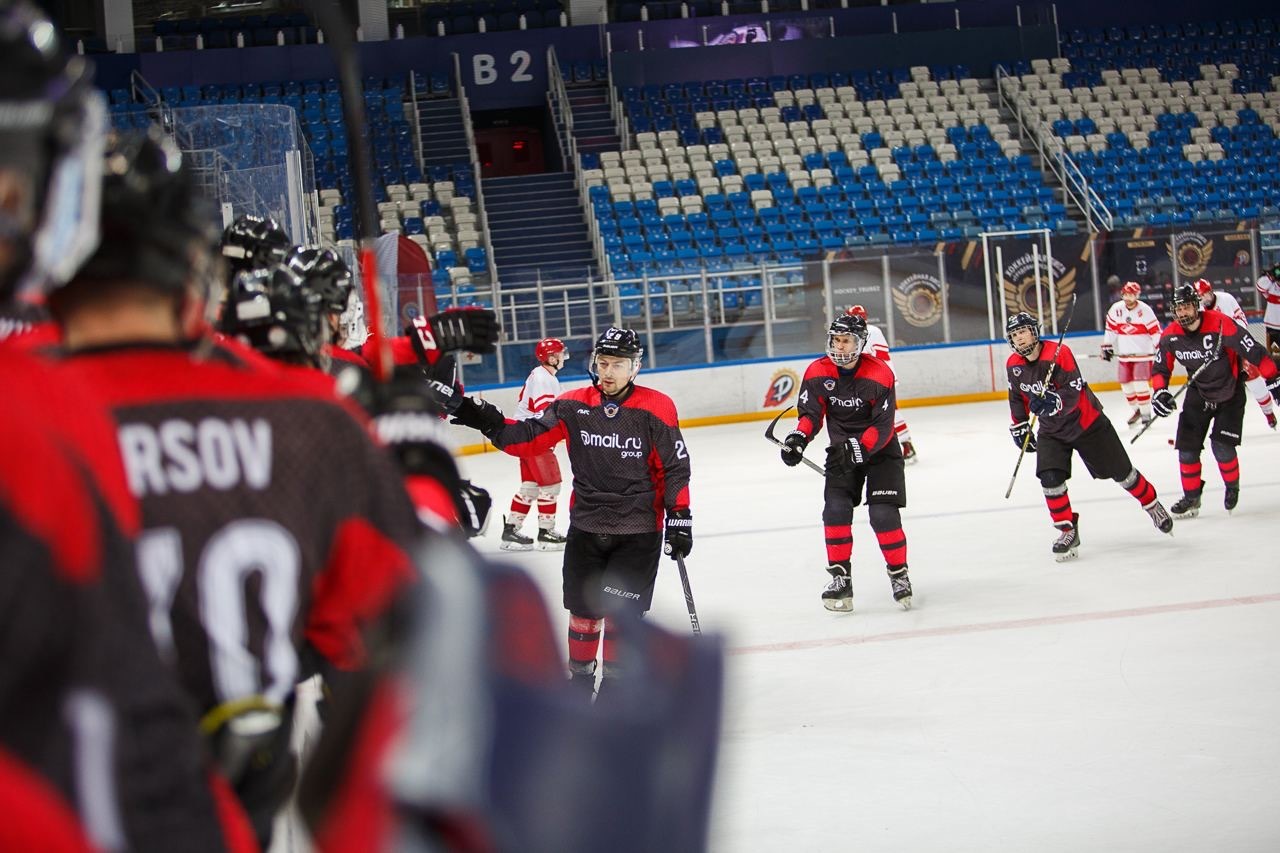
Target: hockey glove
column 1108, row 352
column 1046, row 405
column 443, row 388
column 1163, row 404
column 793, row 451
column 845, row 457
column 679, row 533
column 471, row 329
column 476, row 504
column 1021, row 432
column 1273, row 385
column 479, row 414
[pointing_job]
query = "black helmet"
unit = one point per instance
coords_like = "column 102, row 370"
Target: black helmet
column 276, row 313
column 52, row 129
column 623, row 343
column 846, row 324
column 153, row 215
column 254, row 242
column 1185, row 294
column 1022, row 320
column 325, row 273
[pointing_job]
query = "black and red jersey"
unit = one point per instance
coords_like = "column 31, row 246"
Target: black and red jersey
column 1080, row 406
column 629, row 460
column 270, row 518
column 1218, row 341
column 856, row 402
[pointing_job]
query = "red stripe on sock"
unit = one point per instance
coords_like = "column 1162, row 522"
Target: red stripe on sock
column 1190, row 474
column 584, row 639
column 1142, row 490
column 893, row 544
column 1230, row 471
column 1059, row 507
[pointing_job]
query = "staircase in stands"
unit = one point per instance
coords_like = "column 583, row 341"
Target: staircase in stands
column 537, row 228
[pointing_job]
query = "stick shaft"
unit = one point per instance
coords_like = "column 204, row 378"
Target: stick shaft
column 688, row 596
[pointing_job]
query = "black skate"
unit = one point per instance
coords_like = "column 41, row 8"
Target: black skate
column 838, row 595
column 1064, row 547
column 582, row 677
column 908, row 453
column 549, row 540
column 901, row 585
column 514, row 540
column 1231, row 498
column 1159, row 516
column 1135, row 417
column 1187, row 506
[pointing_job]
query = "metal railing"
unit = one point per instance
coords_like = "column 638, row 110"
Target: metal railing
column 464, row 106
column 1097, row 215
column 417, row 119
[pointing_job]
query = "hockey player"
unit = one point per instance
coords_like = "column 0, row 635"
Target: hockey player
column 1269, row 290
column 539, row 472
column 253, row 242
column 878, row 346
column 630, row 466
column 325, row 273
column 97, row 745
column 1071, row 420
column 854, row 393
column 1225, row 303
column 255, row 555
column 1216, row 397
column 1132, row 333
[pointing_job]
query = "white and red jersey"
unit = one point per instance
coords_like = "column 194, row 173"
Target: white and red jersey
column 539, row 390
column 878, row 346
column 1270, row 291
column 1229, row 305
column 1133, row 332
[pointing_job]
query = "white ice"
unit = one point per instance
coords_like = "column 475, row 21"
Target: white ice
column 1128, row 700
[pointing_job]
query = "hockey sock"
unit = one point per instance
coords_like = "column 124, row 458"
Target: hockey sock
column 886, row 521
column 901, row 430
column 611, row 644
column 1139, row 486
column 547, row 506
column 1190, row 475
column 584, row 640
column 1059, row 503
column 522, row 502
column 1228, row 464
column 1130, row 390
column 839, row 543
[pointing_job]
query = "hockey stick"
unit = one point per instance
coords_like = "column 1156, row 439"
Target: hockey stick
column 768, row 433
column 1031, row 426
column 688, row 596
column 338, row 33
column 1217, row 350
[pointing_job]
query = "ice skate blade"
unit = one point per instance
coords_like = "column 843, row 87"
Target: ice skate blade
column 549, row 546
column 905, row 602
column 1191, row 513
column 1069, row 554
column 836, row 605
column 516, row 546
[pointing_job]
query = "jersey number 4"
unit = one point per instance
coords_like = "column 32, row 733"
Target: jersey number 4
column 231, row 555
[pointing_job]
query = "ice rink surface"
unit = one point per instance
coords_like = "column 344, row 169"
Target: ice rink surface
column 1128, row 700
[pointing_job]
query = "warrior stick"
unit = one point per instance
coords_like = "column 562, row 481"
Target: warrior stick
column 1031, row 426
column 688, row 596
column 768, row 433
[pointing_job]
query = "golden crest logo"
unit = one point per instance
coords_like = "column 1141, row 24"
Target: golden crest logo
column 918, row 298
column 1194, row 252
column 781, row 387
column 1020, row 285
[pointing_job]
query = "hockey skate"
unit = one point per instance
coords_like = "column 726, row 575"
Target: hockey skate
column 1159, row 516
column 1231, row 498
column 1187, row 506
column 1271, row 419
column 549, row 540
column 1135, row 417
column 1064, row 547
column 838, row 595
column 582, row 677
column 909, row 453
column 901, row 585
column 514, row 540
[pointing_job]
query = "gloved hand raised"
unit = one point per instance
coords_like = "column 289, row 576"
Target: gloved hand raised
column 471, row 329
column 479, row 414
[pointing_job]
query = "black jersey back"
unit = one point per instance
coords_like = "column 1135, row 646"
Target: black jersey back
column 269, row 516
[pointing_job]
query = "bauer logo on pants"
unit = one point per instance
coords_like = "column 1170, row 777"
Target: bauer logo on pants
column 781, row 387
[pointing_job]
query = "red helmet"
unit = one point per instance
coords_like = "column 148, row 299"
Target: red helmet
column 1203, row 287
column 857, row 311
column 1131, row 287
column 548, row 347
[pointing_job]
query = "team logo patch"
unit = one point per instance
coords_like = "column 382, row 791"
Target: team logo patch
column 1017, row 371
column 1192, row 254
column 918, row 298
column 610, row 409
column 829, row 384
column 781, row 387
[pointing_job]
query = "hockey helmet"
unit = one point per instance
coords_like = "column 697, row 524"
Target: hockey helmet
column 52, row 131
column 1131, row 288
column 325, row 273
column 548, row 347
column 1203, row 287
column 616, row 342
column 1022, row 320
column 1185, row 294
column 274, row 311
column 857, row 311
column 252, row 242
column 154, row 220
column 847, row 324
